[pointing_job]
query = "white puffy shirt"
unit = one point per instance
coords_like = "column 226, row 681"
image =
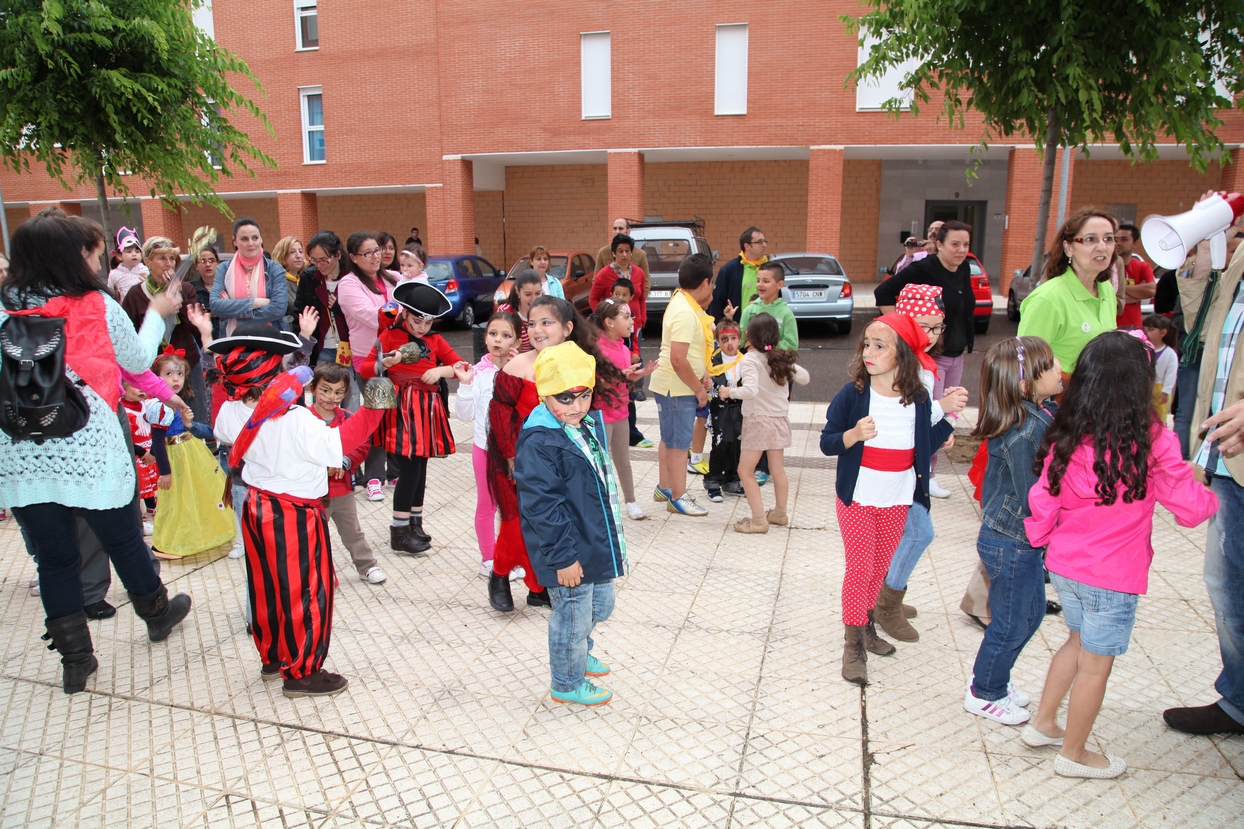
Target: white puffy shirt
column 472, row 400
column 290, row 456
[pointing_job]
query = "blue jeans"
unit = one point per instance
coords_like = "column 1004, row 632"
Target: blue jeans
column 1017, row 602
column 576, row 610
column 917, row 536
column 1185, row 385
column 52, row 532
column 1224, row 578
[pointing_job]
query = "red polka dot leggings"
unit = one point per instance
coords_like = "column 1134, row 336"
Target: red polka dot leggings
column 870, row 536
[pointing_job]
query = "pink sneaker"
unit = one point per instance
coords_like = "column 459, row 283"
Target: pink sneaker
column 374, row 492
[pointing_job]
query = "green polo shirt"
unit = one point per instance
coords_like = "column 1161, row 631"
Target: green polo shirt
column 780, row 311
column 1062, row 312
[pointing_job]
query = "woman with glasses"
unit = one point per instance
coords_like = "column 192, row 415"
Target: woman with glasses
column 361, row 295
column 947, row 268
column 1075, row 300
column 327, row 265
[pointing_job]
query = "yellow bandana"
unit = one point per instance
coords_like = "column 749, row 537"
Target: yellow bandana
column 562, row 367
column 706, row 326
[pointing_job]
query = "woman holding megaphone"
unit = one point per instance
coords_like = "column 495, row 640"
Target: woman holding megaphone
column 1075, row 301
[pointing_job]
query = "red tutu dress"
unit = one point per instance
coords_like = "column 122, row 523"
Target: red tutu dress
column 513, row 398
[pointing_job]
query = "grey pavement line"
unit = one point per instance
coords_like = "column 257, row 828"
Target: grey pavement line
column 539, row 767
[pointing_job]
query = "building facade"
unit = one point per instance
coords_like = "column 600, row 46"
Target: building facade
column 538, row 122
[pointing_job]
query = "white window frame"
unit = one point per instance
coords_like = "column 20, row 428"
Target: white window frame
column 305, row 92
column 213, row 156
column 730, row 87
column 872, row 95
column 596, row 75
column 302, row 9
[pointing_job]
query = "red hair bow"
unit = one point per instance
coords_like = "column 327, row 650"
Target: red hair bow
column 169, row 351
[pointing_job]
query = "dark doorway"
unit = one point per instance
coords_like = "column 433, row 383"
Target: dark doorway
column 968, row 212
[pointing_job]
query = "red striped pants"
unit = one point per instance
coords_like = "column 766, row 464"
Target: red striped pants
column 290, row 579
column 870, row 536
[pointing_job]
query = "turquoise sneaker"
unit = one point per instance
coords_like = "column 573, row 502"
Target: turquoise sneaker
column 595, row 667
column 762, row 478
column 585, row 694
column 659, row 494
column 645, row 444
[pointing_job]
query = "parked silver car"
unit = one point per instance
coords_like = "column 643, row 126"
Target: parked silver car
column 817, row 288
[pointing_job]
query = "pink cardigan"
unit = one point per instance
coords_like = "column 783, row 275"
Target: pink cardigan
column 361, row 309
column 1110, row 546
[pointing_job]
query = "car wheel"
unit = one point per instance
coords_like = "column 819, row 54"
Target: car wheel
column 467, row 318
column 1012, row 307
column 982, row 324
column 843, row 326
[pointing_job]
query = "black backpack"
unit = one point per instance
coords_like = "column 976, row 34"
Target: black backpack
column 37, row 400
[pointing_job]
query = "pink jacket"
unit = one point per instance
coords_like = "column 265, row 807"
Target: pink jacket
column 360, row 307
column 1110, row 546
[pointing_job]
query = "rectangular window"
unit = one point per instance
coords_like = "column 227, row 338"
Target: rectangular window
column 872, row 94
column 306, row 25
column 312, row 125
column 202, row 16
column 596, row 75
column 731, row 95
column 213, row 155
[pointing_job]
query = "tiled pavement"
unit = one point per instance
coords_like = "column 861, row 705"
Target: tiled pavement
column 728, row 711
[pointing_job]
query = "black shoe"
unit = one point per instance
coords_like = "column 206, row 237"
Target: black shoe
column 1206, row 719
column 981, row 623
column 416, row 529
column 401, row 541
column 639, row 395
column 319, row 684
column 270, row 673
column 499, row 595
column 733, row 488
column 540, row 599
column 1052, row 607
column 161, row 613
column 714, row 495
column 72, row 638
column 99, row 610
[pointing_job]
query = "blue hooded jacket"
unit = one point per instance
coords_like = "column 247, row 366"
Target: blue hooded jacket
column 563, row 505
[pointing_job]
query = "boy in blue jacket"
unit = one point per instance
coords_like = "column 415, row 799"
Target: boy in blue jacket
column 571, row 516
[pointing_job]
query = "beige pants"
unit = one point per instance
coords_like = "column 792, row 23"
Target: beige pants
column 344, row 512
column 976, row 597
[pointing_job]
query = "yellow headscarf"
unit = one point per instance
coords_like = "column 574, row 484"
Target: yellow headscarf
column 706, row 327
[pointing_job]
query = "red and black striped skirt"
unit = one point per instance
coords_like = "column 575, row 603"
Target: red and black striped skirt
column 418, row 427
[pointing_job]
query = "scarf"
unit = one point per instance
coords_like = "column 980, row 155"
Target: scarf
column 912, row 334
column 748, row 292
column 243, row 280
column 243, row 369
column 706, row 328
column 153, row 287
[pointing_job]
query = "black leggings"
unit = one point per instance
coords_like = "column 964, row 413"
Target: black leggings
column 412, row 479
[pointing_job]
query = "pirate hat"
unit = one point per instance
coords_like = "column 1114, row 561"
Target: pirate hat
column 257, row 336
column 422, row 300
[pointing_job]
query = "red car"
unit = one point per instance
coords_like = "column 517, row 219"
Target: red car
column 983, row 293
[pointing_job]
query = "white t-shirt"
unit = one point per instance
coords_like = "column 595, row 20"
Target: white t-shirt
column 291, row 454
column 1166, row 369
column 330, row 334
column 896, row 429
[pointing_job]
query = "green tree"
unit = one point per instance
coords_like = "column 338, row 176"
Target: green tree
column 1066, row 74
column 118, row 91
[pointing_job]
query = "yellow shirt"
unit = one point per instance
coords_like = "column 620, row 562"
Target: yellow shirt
column 680, row 324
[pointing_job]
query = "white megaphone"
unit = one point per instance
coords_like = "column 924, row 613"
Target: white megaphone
column 1168, row 240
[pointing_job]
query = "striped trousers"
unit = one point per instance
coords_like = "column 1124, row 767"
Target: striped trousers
column 290, row 580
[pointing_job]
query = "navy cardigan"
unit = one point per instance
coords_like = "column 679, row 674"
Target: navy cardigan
column 848, row 406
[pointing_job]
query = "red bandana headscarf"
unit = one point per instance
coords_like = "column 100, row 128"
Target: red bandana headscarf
column 919, row 301
column 912, row 334
column 243, row 369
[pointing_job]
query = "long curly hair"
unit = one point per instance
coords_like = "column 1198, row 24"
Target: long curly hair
column 1106, row 406
column 763, row 335
column 610, row 381
column 906, row 374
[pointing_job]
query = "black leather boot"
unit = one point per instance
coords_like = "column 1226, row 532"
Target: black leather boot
column 401, row 541
column 499, row 595
column 541, row 599
column 416, row 529
column 161, row 613
column 72, row 638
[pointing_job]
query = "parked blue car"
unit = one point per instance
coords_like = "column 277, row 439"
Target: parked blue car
column 469, row 282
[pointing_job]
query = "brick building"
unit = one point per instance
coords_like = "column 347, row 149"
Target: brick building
column 537, row 122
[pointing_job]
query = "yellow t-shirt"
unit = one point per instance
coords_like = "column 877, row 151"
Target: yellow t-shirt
column 680, row 324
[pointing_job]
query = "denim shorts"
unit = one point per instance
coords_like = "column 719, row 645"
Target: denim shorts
column 1102, row 617
column 677, row 418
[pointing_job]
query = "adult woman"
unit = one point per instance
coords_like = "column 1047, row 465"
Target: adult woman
column 539, row 258
column 249, row 287
column 388, row 251
column 91, row 470
column 202, row 277
column 361, row 295
column 528, row 287
column 161, row 256
column 317, row 288
column 288, row 254
column 947, row 268
column 1074, row 302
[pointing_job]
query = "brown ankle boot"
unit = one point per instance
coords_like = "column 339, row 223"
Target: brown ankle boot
column 909, row 612
column 874, row 643
column 854, row 658
column 889, row 614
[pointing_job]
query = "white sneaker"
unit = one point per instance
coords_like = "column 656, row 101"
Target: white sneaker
column 517, row 573
column 1017, row 696
column 375, row 493
column 937, row 490
column 633, row 511
column 148, row 530
column 1002, row 710
column 238, row 550
column 485, row 569
column 375, row 576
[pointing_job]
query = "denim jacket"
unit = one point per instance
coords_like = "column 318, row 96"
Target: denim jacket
column 1009, row 474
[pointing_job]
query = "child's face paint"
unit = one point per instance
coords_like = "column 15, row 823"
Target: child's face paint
column 174, row 376
column 571, row 413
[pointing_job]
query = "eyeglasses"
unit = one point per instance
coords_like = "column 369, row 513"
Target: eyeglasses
column 1091, row 240
column 566, row 398
column 321, row 260
column 372, row 252
column 760, row 241
column 933, row 329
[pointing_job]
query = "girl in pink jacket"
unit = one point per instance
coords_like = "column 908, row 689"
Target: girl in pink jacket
column 1106, row 460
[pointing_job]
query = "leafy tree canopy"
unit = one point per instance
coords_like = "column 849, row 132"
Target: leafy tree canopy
column 95, row 89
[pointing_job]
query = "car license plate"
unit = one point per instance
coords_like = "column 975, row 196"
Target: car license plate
column 660, row 294
column 808, row 294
